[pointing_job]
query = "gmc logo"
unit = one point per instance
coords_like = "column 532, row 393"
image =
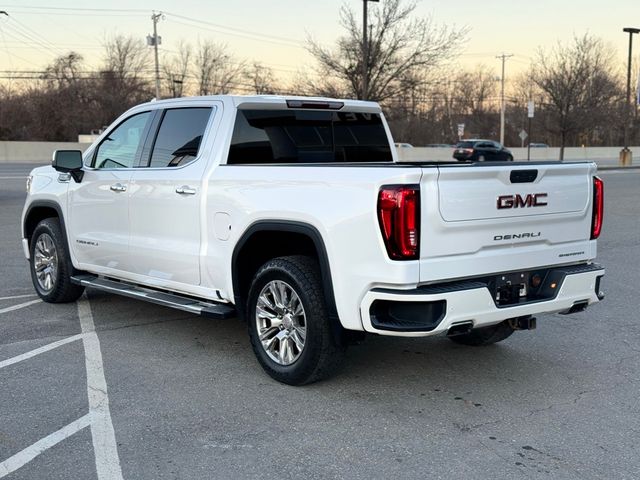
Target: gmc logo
column 517, row 201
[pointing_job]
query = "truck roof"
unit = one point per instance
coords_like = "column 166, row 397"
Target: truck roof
column 270, row 100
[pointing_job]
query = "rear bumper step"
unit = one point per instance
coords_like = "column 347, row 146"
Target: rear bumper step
column 205, row 308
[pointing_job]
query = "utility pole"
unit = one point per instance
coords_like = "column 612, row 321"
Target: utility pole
column 365, row 50
column 503, row 57
column 625, row 154
column 155, row 41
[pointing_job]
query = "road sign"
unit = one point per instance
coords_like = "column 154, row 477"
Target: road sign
column 523, row 135
column 460, row 130
column 531, row 109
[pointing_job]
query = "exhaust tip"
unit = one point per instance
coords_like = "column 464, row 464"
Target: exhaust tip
column 460, row 328
column 580, row 306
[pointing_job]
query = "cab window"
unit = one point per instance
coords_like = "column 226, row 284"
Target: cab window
column 179, row 137
column 121, row 147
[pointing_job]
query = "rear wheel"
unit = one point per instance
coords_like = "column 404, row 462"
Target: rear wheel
column 289, row 327
column 50, row 264
column 481, row 158
column 485, row 335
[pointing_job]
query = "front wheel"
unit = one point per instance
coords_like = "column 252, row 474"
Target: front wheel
column 289, row 326
column 484, row 336
column 50, row 264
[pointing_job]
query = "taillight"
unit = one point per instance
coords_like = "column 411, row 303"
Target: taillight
column 598, row 207
column 399, row 218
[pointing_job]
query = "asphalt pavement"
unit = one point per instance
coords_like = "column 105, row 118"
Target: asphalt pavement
column 186, row 398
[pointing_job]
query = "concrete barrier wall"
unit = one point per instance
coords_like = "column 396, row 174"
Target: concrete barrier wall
column 36, row 152
column 571, row 153
column 41, row 152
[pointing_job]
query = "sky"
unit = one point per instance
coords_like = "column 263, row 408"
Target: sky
column 274, row 32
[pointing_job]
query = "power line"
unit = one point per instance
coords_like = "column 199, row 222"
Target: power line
column 240, row 35
column 35, row 34
column 239, row 30
column 45, row 7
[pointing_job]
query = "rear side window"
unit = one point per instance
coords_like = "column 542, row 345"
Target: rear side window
column 307, row 136
column 179, row 136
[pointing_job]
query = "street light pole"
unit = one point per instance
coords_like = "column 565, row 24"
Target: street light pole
column 625, row 154
column 365, row 50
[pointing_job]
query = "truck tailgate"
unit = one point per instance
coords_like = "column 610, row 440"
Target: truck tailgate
column 486, row 218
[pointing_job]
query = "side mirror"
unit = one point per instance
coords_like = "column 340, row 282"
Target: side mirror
column 69, row 161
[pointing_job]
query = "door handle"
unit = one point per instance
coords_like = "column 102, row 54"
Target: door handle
column 185, row 190
column 118, row 187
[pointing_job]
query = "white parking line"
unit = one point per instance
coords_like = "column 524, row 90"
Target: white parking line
column 19, row 306
column 23, row 457
column 13, row 297
column 102, row 433
column 38, row 351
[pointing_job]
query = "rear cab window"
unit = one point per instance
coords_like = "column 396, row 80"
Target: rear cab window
column 308, row 136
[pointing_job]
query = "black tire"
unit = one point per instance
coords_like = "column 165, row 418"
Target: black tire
column 61, row 289
column 479, row 337
column 510, row 158
column 481, row 158
column 322, row 353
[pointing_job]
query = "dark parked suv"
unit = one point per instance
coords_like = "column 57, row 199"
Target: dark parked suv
column 481, row 151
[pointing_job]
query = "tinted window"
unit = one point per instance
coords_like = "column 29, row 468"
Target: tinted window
column 465, row 144
column 307, row 136
column 179, row 137
column 120, row 148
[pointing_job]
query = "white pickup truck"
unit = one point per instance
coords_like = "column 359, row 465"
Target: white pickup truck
column 296, row 215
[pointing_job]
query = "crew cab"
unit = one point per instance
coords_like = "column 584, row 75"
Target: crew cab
column 295, row 214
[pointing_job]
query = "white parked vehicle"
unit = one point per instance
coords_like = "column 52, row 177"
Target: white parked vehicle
column 294, row 214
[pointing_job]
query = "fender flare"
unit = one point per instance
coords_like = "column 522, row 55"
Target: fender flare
column 45, row 204
column 291, row 227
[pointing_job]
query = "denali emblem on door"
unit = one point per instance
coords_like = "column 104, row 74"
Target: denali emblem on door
column 517, row 201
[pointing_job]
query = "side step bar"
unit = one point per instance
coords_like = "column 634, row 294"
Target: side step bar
column 206, row 308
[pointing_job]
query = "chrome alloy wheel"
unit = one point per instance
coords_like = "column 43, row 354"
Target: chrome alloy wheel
column 281, row 322
column 45, row 262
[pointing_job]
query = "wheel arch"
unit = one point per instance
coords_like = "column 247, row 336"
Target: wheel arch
column 279, row 238
column 38, row 211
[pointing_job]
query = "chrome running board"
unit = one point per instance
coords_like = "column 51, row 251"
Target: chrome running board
column 206, row 308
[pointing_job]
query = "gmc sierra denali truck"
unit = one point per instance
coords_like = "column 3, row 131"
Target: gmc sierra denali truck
column 295, row 215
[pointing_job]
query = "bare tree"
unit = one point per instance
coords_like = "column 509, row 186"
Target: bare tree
column 124, row 79
column 262, row 79
column 578, row 85
column 126, row 57
column 65, row 70
column 216, row 71
column 476, row 89
column 401, row 49
column 176, row 69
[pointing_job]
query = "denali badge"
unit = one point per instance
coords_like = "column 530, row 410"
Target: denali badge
column 514, row 236
column 516, row 201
